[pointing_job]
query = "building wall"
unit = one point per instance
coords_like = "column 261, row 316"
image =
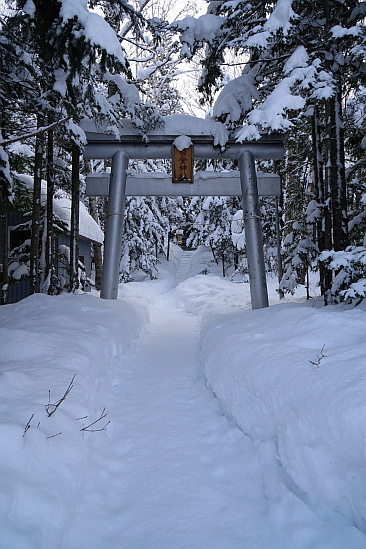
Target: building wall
column 85, row 256
column 20, row 290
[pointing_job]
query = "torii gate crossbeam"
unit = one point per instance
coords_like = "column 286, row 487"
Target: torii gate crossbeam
column 131, row 145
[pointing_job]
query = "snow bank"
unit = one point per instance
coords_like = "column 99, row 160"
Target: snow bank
column 44, row 342
column 197, row 295
column 295, row 375
column 180, row 475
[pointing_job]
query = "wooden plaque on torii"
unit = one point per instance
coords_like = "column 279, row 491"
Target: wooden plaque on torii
column 182, row 169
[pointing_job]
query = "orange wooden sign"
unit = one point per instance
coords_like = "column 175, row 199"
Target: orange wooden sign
column 182, row 165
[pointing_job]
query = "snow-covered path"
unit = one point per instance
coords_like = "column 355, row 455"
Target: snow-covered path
column 184, row 267
column 175, row 474
column 175, row 464
column 171, row 470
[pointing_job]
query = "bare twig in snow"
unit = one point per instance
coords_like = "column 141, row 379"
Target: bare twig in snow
column 56, row 435
column 28, row 425
column 319, row 358
column 102, row 416
column 51, row 408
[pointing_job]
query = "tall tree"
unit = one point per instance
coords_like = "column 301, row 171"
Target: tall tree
column 296, row 56
column 36, row 212
column 63, row 68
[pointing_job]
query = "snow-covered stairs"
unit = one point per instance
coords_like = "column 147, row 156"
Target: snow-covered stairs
column 184, row 266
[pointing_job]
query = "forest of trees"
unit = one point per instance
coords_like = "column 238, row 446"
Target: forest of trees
column 296, row 67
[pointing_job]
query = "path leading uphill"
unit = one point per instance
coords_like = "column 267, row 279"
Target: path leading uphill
column 175, row 474
column 184, row 267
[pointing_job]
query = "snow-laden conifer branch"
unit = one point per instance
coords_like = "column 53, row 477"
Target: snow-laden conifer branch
column 38, row 131
column 138, row 45
column 130, row 25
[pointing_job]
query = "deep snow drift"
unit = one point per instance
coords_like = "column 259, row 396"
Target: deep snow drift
column 228, row 428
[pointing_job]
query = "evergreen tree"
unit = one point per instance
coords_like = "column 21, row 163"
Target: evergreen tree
column 64, row 67
column 211, row 219
column 296, row 56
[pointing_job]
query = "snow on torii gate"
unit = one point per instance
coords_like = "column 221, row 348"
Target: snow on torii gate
column 208, row 139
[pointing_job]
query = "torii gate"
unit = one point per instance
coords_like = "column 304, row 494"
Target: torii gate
column 205, row 137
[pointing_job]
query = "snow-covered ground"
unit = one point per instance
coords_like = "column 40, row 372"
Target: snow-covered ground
column 224, row 428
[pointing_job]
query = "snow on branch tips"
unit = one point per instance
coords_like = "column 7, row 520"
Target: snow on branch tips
column 281, row 17
column 6, row 191
column 128, row 92
column 235, row 99
column 197, row 31
column 349, row 284
column 299, row 58
column 339, row 32
column 94, row 27
column 271, row 115
column 280, row 20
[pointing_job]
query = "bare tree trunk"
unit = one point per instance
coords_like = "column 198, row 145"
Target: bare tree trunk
column 168, row 247
column 50, row 243
column 5, row 253
column 278, row 245
column 236, row 260
column 336, row 171
column 307, row 281
column 279, row 208
column 323, row 226
column 74, row 233
column 213, row 253
column 4, row 290
column 36, row 212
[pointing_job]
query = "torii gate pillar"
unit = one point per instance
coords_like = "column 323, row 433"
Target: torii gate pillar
column 253, row 231
column 114, row 226
column 206, row 139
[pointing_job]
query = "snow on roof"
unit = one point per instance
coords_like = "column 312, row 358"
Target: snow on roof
column 88, row 228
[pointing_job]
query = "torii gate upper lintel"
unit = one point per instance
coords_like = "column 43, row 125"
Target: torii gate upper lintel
column 159, row 146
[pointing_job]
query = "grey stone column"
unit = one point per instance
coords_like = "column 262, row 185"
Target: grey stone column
column 114, row 226
column 253, row 231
